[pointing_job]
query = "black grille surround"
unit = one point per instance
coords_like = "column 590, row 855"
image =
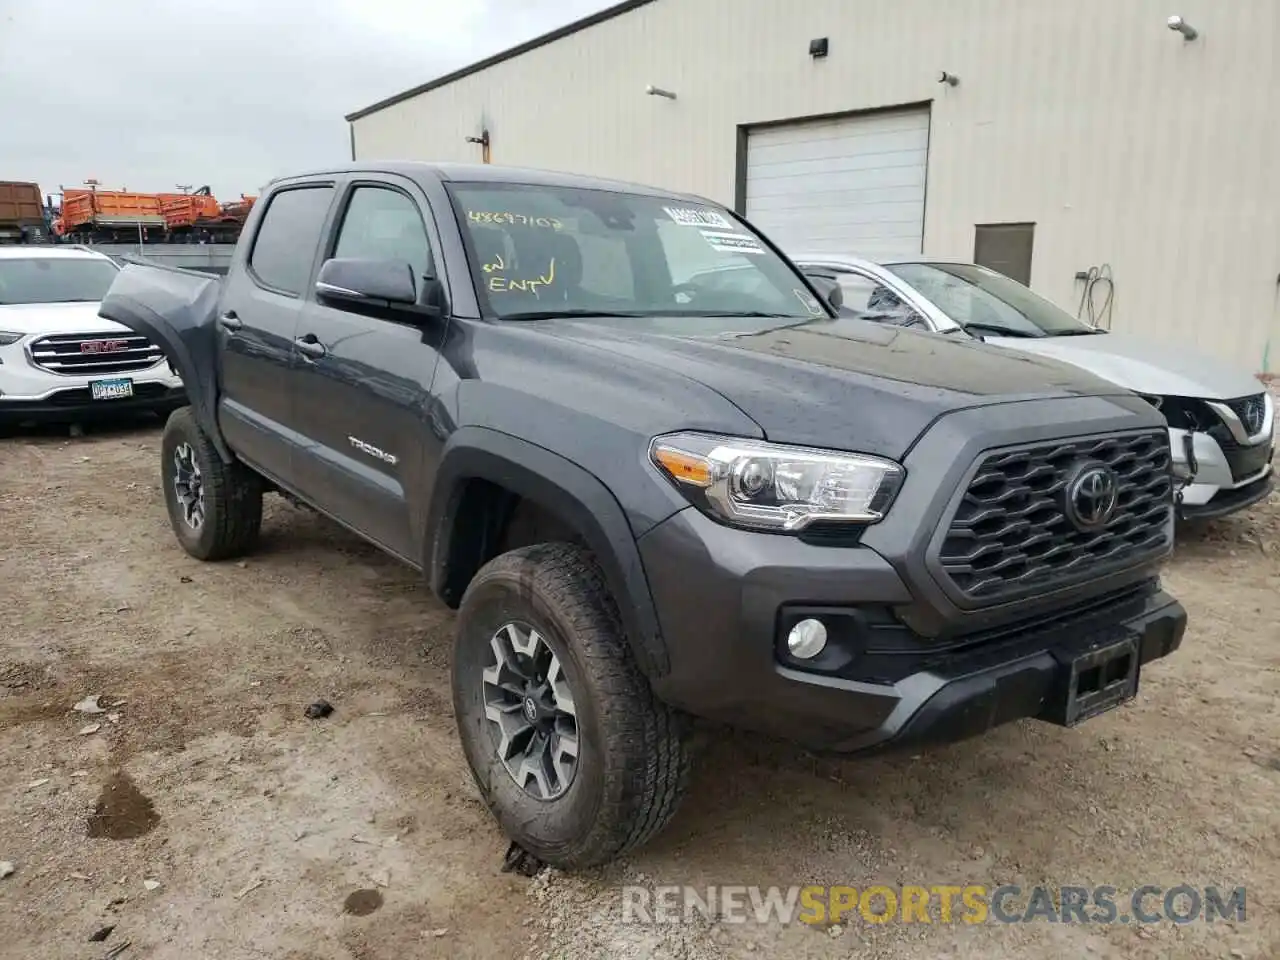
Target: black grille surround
column 91, row 354
column 1007, row 535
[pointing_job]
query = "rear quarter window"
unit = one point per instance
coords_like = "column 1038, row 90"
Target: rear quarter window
column 285, row 245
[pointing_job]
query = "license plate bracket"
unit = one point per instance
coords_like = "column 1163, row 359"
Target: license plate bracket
column 117, row 388
column 1095, row 681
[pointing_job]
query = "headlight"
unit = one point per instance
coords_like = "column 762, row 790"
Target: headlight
column 769, row 486
column 7, row 338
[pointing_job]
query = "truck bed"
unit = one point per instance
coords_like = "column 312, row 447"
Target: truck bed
column 20, row 203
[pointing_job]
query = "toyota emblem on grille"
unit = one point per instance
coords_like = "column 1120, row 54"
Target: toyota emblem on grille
column 103, row 346
column 1092, row 495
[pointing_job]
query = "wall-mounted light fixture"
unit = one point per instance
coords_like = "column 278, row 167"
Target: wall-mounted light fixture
column 1181, row 26
column 659, row 92
column 483, row 140
column 950, row 79
column 819, row 48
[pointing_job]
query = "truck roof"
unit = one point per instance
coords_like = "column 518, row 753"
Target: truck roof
column 485, row 173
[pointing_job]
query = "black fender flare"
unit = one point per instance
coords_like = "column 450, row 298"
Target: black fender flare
column 176, row 310
column 563, row 488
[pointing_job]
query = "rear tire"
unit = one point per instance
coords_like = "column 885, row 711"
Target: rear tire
column 215, row 507
column 629, row 766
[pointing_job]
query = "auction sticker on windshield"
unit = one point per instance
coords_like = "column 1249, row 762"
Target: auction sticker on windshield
column 698, row 217
column 731, row 242
column 810, row 302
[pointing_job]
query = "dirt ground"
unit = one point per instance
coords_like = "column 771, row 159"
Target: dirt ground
column 206, row 817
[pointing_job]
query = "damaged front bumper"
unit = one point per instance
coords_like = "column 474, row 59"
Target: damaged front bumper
column 1215, row 482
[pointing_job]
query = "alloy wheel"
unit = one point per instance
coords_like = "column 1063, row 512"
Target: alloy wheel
column 531, row 712
column 188, row 485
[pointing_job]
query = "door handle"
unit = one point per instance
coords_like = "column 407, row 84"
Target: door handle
column 310, row 346
column 230, row 322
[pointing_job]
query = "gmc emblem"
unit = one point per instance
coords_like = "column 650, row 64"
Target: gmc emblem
column 103, row 346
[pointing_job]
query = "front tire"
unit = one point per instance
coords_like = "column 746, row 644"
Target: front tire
column 594, row 763
column 215, row 507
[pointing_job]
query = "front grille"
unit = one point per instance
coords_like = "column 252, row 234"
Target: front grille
column 1252, row 411
column 90, row 354
column 1010, row 533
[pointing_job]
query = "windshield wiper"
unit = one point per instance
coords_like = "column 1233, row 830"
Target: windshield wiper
column 732, row 313
column 1087, row 332
column 998, row 329
column 566, row 312
column 582, row 312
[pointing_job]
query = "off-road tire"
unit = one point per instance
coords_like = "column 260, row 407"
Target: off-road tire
column 633, row 765
column 232, row 494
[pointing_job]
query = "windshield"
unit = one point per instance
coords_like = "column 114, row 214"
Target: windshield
column 55, row 279
column 988, row 302
column 558, row 251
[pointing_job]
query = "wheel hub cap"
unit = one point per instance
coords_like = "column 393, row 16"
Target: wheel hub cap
column 529, row 705
column 188, row 486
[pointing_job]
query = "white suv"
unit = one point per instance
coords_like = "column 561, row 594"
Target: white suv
column 58, row 359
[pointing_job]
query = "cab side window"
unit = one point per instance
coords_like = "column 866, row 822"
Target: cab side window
column 384, row 224
column 285, row 245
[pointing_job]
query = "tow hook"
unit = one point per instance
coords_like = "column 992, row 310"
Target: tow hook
column 1193, row 467
column 1189, row 449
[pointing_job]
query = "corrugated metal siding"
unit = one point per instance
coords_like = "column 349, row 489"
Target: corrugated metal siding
column 1124, row 144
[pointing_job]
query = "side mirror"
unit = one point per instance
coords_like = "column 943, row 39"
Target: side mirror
column 358, row 281
column 828, row 288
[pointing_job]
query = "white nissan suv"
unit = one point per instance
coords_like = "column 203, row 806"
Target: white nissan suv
column 58, row 359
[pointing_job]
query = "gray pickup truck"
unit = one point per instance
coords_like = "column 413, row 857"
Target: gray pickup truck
column 659, row 476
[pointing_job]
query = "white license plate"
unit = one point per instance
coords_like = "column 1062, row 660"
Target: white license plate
column 111, row 389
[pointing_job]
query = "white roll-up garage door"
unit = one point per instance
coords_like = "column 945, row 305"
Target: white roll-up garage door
column 853, row 185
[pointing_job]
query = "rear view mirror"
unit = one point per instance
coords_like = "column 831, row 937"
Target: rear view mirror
column 362, row 281
column 828, row 288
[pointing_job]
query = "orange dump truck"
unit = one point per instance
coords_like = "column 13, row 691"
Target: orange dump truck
column 231, row 217
column 110, row 214
column 21, row 212
column 182, row 211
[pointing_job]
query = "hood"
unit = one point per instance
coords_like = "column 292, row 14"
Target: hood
column 1141, row 365
column 49, row 318
column 843, row 384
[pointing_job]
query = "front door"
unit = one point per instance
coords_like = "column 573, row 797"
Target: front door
column 365, row 377
column 256, row 326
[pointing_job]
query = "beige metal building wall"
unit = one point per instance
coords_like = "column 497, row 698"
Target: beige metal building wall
column 1122, row 142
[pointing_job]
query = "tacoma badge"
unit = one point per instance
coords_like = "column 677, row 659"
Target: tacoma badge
column 373, row 451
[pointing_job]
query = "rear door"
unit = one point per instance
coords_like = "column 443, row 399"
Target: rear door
column 257, row 322
column 364, row 383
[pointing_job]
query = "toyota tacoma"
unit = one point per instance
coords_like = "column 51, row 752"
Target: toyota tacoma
column 659, row 476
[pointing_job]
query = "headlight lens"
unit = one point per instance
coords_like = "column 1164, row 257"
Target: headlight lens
column 7, row 338
column 770, row 486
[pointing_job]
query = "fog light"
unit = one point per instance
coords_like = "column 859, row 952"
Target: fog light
column 807, row 639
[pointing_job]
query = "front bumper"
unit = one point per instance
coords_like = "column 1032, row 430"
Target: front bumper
column 31, row 394
column 726, row 597
column 1223, row 481
column 77, row 405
